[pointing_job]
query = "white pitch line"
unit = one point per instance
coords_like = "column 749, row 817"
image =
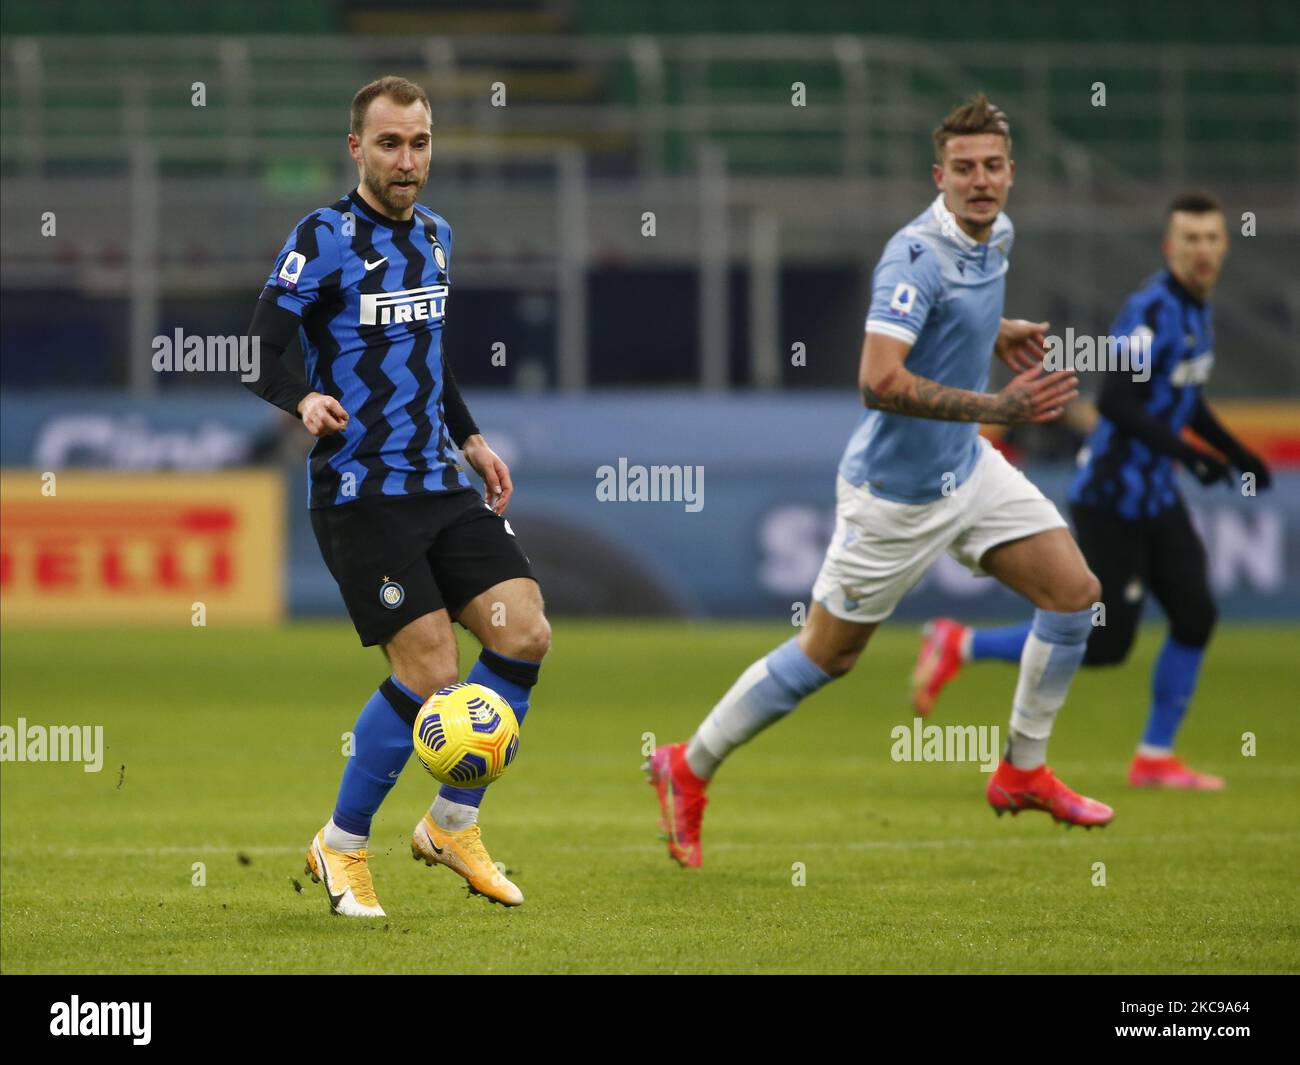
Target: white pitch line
column 1111, row 837
column 151, row 852
column 1059, row 839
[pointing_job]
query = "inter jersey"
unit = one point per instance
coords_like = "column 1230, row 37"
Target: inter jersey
column 1118, row 472
column 371, row 293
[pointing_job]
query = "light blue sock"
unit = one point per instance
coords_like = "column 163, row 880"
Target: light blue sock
column 1051, row 657
column 382, row 744
column 1005, row 643
column 1172, row 684
column 767, row 691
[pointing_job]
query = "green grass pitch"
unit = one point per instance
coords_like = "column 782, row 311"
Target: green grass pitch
column 231, row 748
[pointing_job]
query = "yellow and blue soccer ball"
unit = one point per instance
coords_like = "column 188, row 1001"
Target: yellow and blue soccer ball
column 466, row 735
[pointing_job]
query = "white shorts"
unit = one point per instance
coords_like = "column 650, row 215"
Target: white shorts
column 881, row 548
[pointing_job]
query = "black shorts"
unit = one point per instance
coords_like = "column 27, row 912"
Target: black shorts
column 398, row 558
column 1162, row 555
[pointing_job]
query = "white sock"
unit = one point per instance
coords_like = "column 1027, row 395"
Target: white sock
column 1147, row 751
column 702, row 761
column 338, row 840
column 731, row 722
column 453, row 816
column 768, row 690
column 1046, row 670
column 963, row 647
column 1026, row 752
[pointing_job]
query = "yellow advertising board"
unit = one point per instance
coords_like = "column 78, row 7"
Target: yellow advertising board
column 95, row 548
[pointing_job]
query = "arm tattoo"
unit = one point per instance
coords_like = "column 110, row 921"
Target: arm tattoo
column 924, row 398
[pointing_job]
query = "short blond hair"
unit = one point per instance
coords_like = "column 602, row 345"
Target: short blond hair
column 976, row 115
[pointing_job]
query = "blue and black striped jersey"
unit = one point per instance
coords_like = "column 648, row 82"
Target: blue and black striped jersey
column 1128, row 469
column 370, row 294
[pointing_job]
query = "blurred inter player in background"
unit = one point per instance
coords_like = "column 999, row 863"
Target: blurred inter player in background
column 1128, row 513
column 364, row 284
column 917, row 479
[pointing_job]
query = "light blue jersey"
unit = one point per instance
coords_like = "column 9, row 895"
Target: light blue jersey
column 942, row 292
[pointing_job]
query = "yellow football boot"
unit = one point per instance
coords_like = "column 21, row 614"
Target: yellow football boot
column 346, row 876
column 463, row 852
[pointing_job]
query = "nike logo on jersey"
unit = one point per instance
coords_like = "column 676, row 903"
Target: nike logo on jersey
column 370, row 266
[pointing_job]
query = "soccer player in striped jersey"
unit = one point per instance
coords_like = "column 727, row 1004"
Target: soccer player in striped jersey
column 1131, row 521
column 364, row 284
column 917, row 479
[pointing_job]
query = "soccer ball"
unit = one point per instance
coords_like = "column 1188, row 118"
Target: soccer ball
column 466, row 735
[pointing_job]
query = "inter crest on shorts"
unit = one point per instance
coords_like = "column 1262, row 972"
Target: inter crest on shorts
column 391, row 594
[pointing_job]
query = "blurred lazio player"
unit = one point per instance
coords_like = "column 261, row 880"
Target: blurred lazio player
column 1130, row 517
column 917, row 479
column 364, row 283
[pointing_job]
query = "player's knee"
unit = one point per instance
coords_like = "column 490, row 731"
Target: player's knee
column 1080, row 592
column 529, row 641
column 537, row 640
column 1091, row 592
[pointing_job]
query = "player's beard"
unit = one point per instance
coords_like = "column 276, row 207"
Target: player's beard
column 379, row 188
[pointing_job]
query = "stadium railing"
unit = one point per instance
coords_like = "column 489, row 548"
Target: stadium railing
column 593, row 130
